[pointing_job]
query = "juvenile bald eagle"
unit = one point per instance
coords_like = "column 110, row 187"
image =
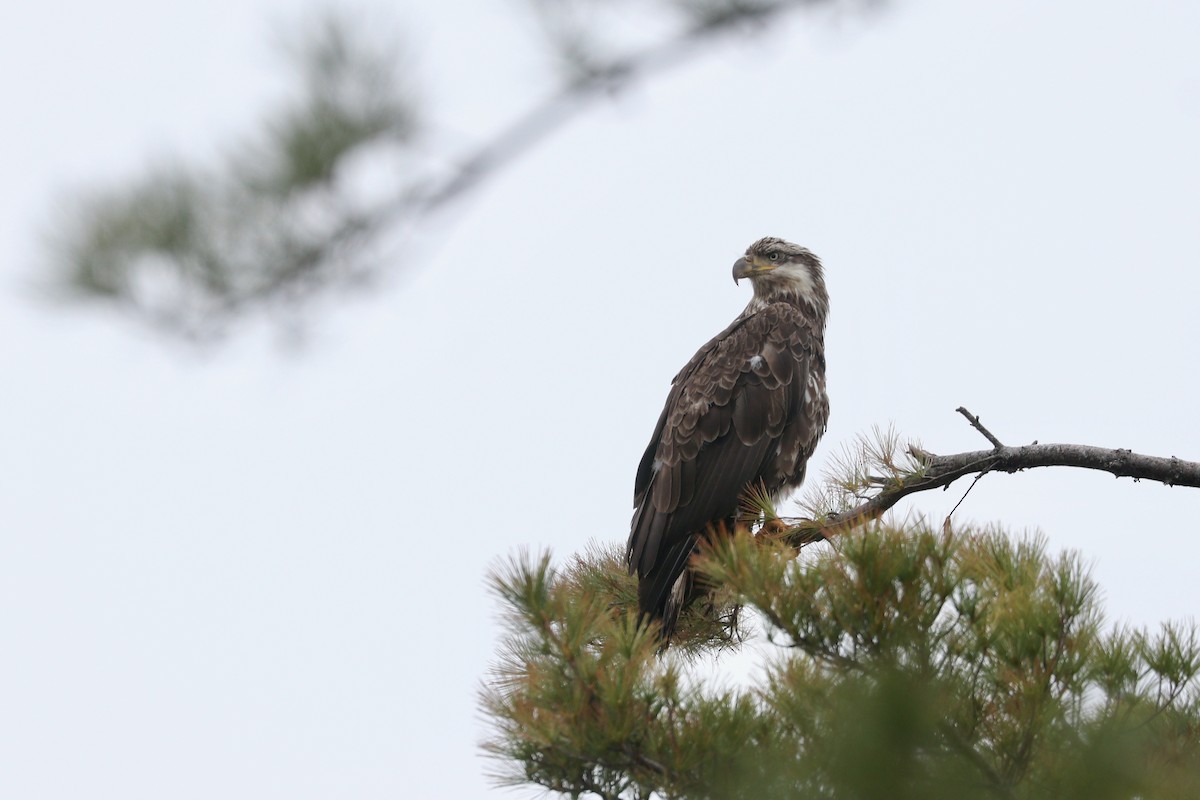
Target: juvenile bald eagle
column 748, row 408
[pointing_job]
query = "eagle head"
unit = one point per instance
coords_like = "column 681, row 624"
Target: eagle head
column 778, row 269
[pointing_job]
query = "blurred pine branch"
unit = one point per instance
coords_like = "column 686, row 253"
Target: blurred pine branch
column 191, row 248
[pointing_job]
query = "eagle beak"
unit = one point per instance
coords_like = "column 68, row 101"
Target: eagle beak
column 741, row 269
column 745, row 268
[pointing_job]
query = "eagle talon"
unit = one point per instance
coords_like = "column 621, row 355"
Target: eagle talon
column 774, row 527
column 743, row 528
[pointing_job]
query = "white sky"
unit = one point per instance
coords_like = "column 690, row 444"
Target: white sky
column 257, row 573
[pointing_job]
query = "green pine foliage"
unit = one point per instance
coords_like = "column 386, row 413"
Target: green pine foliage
column 906, row 662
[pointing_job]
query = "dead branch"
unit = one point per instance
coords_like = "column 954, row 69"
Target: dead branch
column 940, row 471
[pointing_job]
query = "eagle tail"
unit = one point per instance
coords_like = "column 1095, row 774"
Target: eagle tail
column 667, row 589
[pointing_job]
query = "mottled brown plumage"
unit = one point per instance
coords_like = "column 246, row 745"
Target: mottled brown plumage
column 749, row 407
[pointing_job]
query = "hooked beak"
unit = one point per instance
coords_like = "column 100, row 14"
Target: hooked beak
column 745, row 268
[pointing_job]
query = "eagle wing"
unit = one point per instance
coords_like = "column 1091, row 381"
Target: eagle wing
column 722, row 429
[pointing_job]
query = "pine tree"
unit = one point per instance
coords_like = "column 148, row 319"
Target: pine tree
column 904, row 661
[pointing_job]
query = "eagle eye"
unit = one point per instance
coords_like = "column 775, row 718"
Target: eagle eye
column 773, row 255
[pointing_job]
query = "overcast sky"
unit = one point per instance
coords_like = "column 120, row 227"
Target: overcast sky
column 257, row 572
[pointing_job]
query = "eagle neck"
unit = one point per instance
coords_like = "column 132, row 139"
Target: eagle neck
column 811, row 301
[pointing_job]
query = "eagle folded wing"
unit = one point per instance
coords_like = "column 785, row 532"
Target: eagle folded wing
column 724, row 424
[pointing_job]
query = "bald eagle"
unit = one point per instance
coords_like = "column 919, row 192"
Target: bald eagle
column 748, row 409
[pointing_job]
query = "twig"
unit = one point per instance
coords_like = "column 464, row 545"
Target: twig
column 977, row 425
column 964, row 497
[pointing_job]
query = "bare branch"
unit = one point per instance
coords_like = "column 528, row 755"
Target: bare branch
column 941, row 471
